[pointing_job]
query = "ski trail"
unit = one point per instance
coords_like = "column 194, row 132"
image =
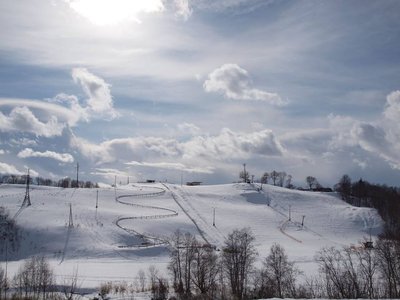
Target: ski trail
column 282, row 230
column 209, row 233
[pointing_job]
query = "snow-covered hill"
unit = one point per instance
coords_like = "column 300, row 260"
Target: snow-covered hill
column 129, row 229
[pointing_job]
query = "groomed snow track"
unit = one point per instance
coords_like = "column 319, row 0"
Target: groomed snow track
column 151, row 240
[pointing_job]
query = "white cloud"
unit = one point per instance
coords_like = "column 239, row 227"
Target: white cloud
column 23, row 142
column 79, row 112
column 234, row 83
column 183, row 9
column 362, row 164
column 126, row 148
column 109, row 173
column 392, row 108
column 2, row 151
column 198, row 150
column 100, row 101
column 172, row 166
column 374, row 139
column 32, row 172
column 189, row 128
column 229, row 144
column 109, row 12
column 9, row 169
column 44, row 109
column 48, row 118
column 21, row 119
column 63, row 157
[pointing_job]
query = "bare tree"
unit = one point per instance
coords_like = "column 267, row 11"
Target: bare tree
column 311, row 181
column 70, row 285
column 388, row 255
column 340, row 272
column 3, row 284
column 142, row 279
column 182, row 260
column 281, row 178
column 35, row 278
column 153, row 275
column 205, row 270
column 9, row 232
column 280, row 273
column 368, row 270
column 265, row 177
column 289, row 184
column 274, row 176
column 344, row 187
column 238, row 258
column 159, row 289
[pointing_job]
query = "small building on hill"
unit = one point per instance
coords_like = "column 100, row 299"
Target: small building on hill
column 193, row 183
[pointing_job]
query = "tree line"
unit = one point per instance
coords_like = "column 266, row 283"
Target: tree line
column 197, row 271
column 385, row 199
column 64, row 182
column 282, row 179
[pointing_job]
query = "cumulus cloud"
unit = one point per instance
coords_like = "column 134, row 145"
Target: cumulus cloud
column 374, row 139
column 172, row 166
column 225, row 146
column 126, row 148
column 63, row 157
column 49, row 118
column 229, row 144
column 234, row 83
column 79, row 112
column 21, row 119
column 2, row 151
column 100, row 102
column 392, row 108
column 9, row 169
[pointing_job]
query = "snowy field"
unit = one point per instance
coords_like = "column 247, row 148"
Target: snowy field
column 129, row 229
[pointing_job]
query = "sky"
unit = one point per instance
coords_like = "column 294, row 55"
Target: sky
column 190, row 90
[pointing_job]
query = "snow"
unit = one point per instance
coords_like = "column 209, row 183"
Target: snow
column 130, row 233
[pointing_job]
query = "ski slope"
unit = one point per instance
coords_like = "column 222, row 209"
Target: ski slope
column 130, row 228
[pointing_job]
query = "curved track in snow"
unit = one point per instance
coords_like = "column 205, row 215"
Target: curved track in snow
column 167, row 213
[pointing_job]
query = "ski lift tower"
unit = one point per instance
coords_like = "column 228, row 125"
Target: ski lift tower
column 27, row 199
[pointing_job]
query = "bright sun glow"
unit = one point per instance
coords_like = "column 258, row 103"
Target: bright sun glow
column 108, row 12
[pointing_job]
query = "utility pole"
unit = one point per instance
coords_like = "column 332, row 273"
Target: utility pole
column 214, row 216
column 77, row 174
column 27, row 199
column 97, row 202
column 5, row 273
column 302, row 221
column 290, row 212
column 115, row 187
column 71, row 220
column 252, row 178
column 244, row 173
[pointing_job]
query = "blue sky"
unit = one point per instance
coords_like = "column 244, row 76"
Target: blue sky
column 164, row 89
